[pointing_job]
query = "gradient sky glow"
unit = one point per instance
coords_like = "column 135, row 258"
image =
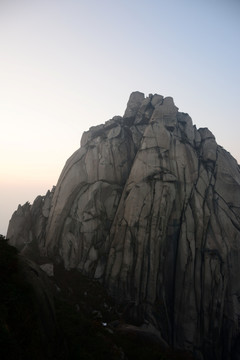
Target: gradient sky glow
column 66, row 65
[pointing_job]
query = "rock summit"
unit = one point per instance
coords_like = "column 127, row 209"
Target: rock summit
column 149, row 205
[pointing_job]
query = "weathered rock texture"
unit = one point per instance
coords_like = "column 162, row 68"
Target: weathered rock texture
column 150, row 206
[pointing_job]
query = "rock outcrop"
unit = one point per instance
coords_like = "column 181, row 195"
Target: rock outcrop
column 150, row 206
column 27, row 227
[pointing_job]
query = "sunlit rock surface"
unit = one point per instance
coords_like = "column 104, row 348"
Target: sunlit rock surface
column 150, row 206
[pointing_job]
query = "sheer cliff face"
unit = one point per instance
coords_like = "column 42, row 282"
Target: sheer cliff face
column 150, row 206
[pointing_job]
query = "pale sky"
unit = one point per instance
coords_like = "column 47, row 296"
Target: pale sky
column 66, row 65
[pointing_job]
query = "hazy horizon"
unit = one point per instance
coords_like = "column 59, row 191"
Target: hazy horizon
column 68, row 65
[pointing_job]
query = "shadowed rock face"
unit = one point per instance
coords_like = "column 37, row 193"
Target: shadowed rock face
column 150, row 206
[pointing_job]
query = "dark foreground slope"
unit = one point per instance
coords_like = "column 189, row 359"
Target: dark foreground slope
column 65, row 317
column 150, row 207
column 28, row 324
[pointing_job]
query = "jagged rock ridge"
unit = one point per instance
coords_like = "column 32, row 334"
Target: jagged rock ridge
column 150, row 206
